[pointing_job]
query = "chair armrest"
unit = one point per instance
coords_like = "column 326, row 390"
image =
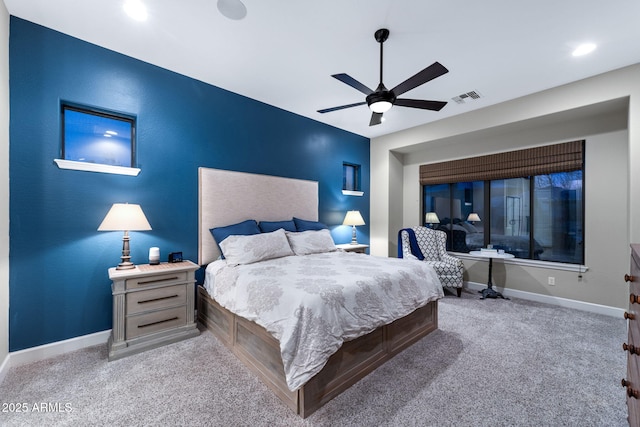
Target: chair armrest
column 450, row 259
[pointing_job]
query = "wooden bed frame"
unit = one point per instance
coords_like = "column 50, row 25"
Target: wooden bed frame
column 251, row 343
column 260, row 352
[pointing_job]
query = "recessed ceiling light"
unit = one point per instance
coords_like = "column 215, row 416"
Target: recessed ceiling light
column 584, row 49
column 136, row 10
column 232, row 9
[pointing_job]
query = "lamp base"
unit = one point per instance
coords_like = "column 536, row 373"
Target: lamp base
column 354, row 241
column 125, row 263
column 125, row 266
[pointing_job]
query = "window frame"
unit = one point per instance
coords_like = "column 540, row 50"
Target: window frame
column 351, row 172
column 127, row 119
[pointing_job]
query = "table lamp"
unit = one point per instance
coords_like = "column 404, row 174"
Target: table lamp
column 353, row 218
column 473, row 217
column 431, row 218
column 125, row 217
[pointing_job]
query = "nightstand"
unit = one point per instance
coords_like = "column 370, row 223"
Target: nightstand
column 359, row 247
column 153, row 305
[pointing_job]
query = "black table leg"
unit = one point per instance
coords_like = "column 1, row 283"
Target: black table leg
column 490, row 292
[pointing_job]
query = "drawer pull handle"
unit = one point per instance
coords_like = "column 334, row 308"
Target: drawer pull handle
column 157, row 323
column 629, row 316
column 146, row 282
column 630, row 391
column 628, row 278
column 157, row 299
column 630, row 348
column 633, row 298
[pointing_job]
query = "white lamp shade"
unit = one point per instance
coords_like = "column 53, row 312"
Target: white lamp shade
column 125, row 217
column 353, row 218
column 431, row 218
column 473, row 217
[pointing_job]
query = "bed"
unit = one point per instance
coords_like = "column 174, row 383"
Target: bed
column 227, row 197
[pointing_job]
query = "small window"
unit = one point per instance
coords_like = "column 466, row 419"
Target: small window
column 101, row 137
column 350, row 177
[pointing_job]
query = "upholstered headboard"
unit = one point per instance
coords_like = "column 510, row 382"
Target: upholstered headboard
column 228, row 197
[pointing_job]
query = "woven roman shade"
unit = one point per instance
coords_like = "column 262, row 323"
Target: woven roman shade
column 543, row 160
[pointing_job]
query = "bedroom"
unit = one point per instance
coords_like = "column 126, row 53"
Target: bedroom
column 48, row 230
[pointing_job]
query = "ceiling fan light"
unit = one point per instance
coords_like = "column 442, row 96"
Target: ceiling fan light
column 380, row 106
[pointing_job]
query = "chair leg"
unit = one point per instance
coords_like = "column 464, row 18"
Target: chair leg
column 459, row 291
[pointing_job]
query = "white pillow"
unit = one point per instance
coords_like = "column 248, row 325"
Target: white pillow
column 311, row 242
column 239, row 249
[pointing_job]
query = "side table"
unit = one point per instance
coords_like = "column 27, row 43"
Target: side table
column 490, row 292
column 153, row 305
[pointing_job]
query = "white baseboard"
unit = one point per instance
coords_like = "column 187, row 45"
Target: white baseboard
column 46, row 351
column 549, row 299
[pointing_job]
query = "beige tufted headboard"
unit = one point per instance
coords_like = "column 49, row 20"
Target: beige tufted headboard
column 228, row 197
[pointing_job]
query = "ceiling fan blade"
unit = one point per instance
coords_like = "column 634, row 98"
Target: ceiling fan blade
column 431, row 72
column 376, row 119
column 346, row 78
column 342, row 107
column 420, row 103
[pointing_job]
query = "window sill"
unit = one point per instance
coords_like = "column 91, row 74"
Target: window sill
column 96, row 167
column 530, row 263
column 352, row 193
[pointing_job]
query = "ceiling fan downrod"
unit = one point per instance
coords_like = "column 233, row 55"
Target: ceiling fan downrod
column 382, row 99
column 381, row 36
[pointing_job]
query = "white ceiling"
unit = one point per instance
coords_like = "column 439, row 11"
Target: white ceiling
column 284, row 51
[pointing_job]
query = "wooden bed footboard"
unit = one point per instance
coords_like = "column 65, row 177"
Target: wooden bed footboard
column 260, row 352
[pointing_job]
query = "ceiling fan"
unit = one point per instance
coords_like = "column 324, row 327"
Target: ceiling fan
column 382, row 99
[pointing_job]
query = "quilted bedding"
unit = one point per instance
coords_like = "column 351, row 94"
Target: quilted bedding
column 313, row 303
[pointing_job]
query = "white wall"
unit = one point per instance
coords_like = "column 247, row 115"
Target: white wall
column 541, row 118
column 4, row 186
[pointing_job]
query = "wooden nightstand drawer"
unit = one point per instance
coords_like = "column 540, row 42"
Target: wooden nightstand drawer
column 157, row 298
column 156, row 280
column 155, row 321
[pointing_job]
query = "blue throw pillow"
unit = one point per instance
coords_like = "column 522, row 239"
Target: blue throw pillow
column 304, row 225
column 244, row 228
column 269, row 226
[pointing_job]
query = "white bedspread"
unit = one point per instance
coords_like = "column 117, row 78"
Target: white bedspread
column 311, row 304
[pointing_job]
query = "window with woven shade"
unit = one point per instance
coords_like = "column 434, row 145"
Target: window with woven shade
column 528, row 202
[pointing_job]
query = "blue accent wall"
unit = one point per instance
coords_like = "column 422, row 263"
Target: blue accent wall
column 59, row 287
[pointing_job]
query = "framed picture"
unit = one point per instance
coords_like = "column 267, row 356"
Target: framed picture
column 96, row 136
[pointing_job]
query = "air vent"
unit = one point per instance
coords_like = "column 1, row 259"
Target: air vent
column 461, row 99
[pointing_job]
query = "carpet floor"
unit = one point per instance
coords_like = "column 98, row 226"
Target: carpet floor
column 490, row 363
